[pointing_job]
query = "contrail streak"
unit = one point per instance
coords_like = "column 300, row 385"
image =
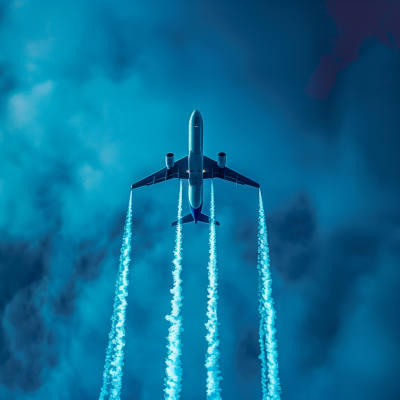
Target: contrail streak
column 268, row 344
column 173, row 369
column 112, row 375
column 212, row 356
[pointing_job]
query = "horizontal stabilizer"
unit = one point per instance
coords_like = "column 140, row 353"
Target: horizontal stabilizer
column 189, row 218
column 185, row 220
column 206, row 219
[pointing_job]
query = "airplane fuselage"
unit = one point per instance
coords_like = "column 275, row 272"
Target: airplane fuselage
column 195, row 164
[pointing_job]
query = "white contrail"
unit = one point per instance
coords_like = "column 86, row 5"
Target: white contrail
column 269, row 347
column 173, row 369
column 212, row 356
column 112, row 375
column 262, row 356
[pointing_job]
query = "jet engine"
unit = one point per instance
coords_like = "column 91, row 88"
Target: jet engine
column 221, row 160
column 170, row 160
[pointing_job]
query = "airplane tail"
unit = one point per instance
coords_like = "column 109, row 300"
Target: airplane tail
column 189, row 218
column 206, row 219
column 185, row 220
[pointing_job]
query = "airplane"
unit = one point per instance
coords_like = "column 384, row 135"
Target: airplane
column 195, row 167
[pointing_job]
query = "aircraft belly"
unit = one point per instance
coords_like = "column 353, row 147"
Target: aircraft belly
column 195, row 179
column 195, row 162
column 195, row 139
column 196, row 194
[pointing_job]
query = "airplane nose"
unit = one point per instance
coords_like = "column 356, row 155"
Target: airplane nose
column 196, row 118
column 195, row 113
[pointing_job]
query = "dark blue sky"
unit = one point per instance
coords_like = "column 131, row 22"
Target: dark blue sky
column 303, row 96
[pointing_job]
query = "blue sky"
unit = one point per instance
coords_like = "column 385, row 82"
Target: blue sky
column 302, row 96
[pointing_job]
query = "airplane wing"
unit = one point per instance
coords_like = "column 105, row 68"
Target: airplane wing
column 211, row 170
column 179, row 170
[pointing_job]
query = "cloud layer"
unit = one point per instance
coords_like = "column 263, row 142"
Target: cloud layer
column 302, row 96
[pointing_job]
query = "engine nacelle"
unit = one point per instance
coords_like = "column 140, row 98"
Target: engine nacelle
column 170, row 160
column 221, row 160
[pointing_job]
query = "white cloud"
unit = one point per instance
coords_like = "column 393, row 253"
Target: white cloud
column 39, row 48
column 91, row 178
column 42, row 89
column 17, row 3
column 22, row 110
column 23, row 106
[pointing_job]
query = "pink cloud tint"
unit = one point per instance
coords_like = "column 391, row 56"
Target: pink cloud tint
column 356, row 21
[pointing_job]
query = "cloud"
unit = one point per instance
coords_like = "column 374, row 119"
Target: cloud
column 247, row 355
column 24, row 267
column 91, row 99
column 91, row 178
column 373, row 81
column 8, row 81
column 24, row 105
column 356, row 23
column 292, row 239
column 280, row 46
